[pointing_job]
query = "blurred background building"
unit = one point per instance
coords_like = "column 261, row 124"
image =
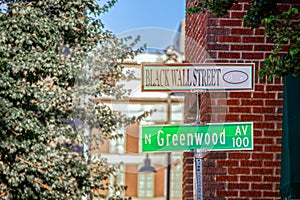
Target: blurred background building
column 169, row 109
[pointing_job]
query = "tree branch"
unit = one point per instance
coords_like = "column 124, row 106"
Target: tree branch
column 43, row 185
column 28, row 162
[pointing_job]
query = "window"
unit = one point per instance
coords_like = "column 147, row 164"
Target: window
column 118, row 145
column 146, row 185
column 119, row 179
column 176, row 178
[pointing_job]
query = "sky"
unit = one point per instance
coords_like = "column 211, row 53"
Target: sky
column 156, row 21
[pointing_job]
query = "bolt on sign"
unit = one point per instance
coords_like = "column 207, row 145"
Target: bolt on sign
column 188, row 77
column 211, row 137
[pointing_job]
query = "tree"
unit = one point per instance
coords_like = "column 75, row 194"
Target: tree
column 281, row 26
column 49, row 51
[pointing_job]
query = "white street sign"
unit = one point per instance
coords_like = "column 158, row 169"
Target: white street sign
column 189, row 77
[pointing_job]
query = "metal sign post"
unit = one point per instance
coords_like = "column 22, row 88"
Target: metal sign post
column 198, row 159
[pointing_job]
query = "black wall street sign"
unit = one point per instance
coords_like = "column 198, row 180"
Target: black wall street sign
column 189, row 77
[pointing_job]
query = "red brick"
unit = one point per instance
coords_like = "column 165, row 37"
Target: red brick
column 212, row 39
column 277, row 171
column 251, row 178
column 231, row 102
column 212, row 54
column 258, row 147
column 259, row 87
column 217, row 109
column 208, row 193
column 239, row 109
column 279, row 125
column 240, row 94
column 263, row 95
column 231, row 117
column 229, row 39
column 241, row 31
column 271, row 194
column 264, row 198
column 272, row 148
column 271, row 179
column 236, row 7
column 227, row 193
column 274, row 102
column 251, row 117
column 209, row 163
column 227, row 178
column 257, row 133
column 272, row 163
column 262, row 186
column 259, row 31
column 217, row 155
column 214, row 171
column 246, row 7
column 253, row 39
column 208, row 178
column 239, row 155
column 212, row 22
column 217, row 186
column 218, row 31
column 218, row 61
column 278, row 141
column 250, row 193
column 237, row 15
column 241, row 47
column 251, row 163
column 283, row 7
column 252, row 102
column 238, row 170
column 240, row 186
column 272, row 133
column 230, row 22
column 263, row 156
column 264, row 125
column 263, row 109
column 262, row 171
column 273, row 117
column 237, row 198
column 264, row 141
column 224, row 47
column 251, row 55
column 274, row 88
column 229, row 55
column 221, row 163
column 226, row 117
column 261, row 47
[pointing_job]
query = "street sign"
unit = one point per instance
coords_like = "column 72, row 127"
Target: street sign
column 188, row 77
column 186, row 137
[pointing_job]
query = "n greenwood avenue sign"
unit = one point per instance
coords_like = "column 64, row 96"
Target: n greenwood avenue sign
column 186, row 137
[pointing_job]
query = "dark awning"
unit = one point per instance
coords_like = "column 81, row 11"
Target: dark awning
column 290, row 157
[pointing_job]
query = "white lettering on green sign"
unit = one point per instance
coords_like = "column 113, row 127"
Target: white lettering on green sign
column 212, row 137
column 165, row 139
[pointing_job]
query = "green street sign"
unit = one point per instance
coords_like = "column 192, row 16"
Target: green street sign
column 211, row 137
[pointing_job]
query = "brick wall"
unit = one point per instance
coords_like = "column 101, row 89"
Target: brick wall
column 237, row 175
